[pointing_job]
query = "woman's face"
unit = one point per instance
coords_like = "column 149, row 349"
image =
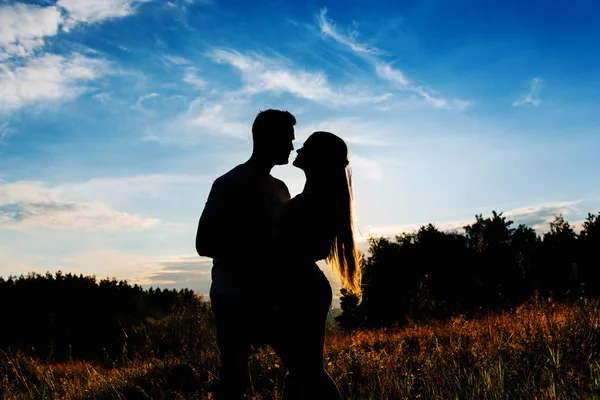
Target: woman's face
column 308, row 155
column 320, row 151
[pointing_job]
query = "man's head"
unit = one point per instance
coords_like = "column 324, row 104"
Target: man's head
column 272, row 135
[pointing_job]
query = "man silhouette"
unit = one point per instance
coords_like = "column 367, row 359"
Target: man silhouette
column 233, row 230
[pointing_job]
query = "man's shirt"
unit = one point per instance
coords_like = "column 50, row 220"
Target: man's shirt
column 234, row 227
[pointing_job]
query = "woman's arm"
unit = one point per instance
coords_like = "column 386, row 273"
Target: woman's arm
column 300, row 230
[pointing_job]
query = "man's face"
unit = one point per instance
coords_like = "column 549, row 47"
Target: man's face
column 282, row 145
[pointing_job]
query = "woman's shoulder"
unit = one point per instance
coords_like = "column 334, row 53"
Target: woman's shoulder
column 306, row 208
column 305, row 201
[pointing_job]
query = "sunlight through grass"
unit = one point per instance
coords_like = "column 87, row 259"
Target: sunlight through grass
column 540, row 350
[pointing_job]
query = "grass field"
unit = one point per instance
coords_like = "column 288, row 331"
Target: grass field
column 539, row 351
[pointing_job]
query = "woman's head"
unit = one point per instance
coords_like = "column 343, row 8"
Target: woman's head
column 322, row 152
column 325, row 157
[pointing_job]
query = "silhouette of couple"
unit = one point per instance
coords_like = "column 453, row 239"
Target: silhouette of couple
column 266, row 287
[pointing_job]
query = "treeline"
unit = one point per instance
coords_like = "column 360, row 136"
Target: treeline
column 491, row 265
column 63, row 315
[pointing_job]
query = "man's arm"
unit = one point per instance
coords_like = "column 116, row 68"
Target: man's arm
column 228, row 229
column 212, row 235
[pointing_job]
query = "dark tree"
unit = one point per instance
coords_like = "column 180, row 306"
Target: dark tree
column 436, row 274
column 496, row 271
column 526, row 248
column 589, row 256
column 64, row 315
column 560, row 276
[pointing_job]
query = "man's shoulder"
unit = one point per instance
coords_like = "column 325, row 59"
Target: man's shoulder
column 231, row 177
column 278, row 182
column 281, row 188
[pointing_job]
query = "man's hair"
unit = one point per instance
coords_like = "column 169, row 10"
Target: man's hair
column 266, row 122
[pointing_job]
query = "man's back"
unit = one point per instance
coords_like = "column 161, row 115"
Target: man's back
column 233, row 228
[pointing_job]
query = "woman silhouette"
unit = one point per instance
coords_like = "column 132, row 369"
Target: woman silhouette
column 314, row 225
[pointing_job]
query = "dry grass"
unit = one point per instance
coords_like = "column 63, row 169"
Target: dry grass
column 539, row 351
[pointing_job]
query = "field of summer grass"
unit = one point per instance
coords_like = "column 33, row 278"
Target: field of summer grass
column 541, row 350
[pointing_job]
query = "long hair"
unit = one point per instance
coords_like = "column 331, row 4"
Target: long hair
column 344, row 258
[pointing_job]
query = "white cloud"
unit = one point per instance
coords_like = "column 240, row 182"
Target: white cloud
column 102, row 262
column 210, row 118
column 385, row 70
column 103, row 98
column 539, row 216
column 390, row 231
column 117, row 190
column 47, row 78
column 369, row 168
column 263, row 74
column 26, row 79
column 89, row 204
column 189, row 271
column 354, row 131
column 536, row 216
column 23, row 28
column 202, row 118
column 70, row 215
column 533, row 97
column 194, row 80
column 90, row 11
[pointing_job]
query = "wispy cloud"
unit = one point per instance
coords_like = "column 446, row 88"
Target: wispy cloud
column 117, row 190
column 208, row 114
column 26, row 204
column 536, row 216
column 47, row 78
column 328, row 28
column 533, row 97
column 194, row 80
column 369, row 168
column 539, row 216
column 91, row 11
column 139, row 104
column 155, row 104
column 397, row 77
column 354, row 131
column 390, row 231
column 264, row 74
column 69, row 215
column 180, row 271
column 177, row 60
column 202, row 118
column 384, row 69
column 4, row 131
column 83, row 205
column 103, row 97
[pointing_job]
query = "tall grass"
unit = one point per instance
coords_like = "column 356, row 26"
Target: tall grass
column 541, row 350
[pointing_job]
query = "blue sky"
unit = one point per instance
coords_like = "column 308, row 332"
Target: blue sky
column 117, row 115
